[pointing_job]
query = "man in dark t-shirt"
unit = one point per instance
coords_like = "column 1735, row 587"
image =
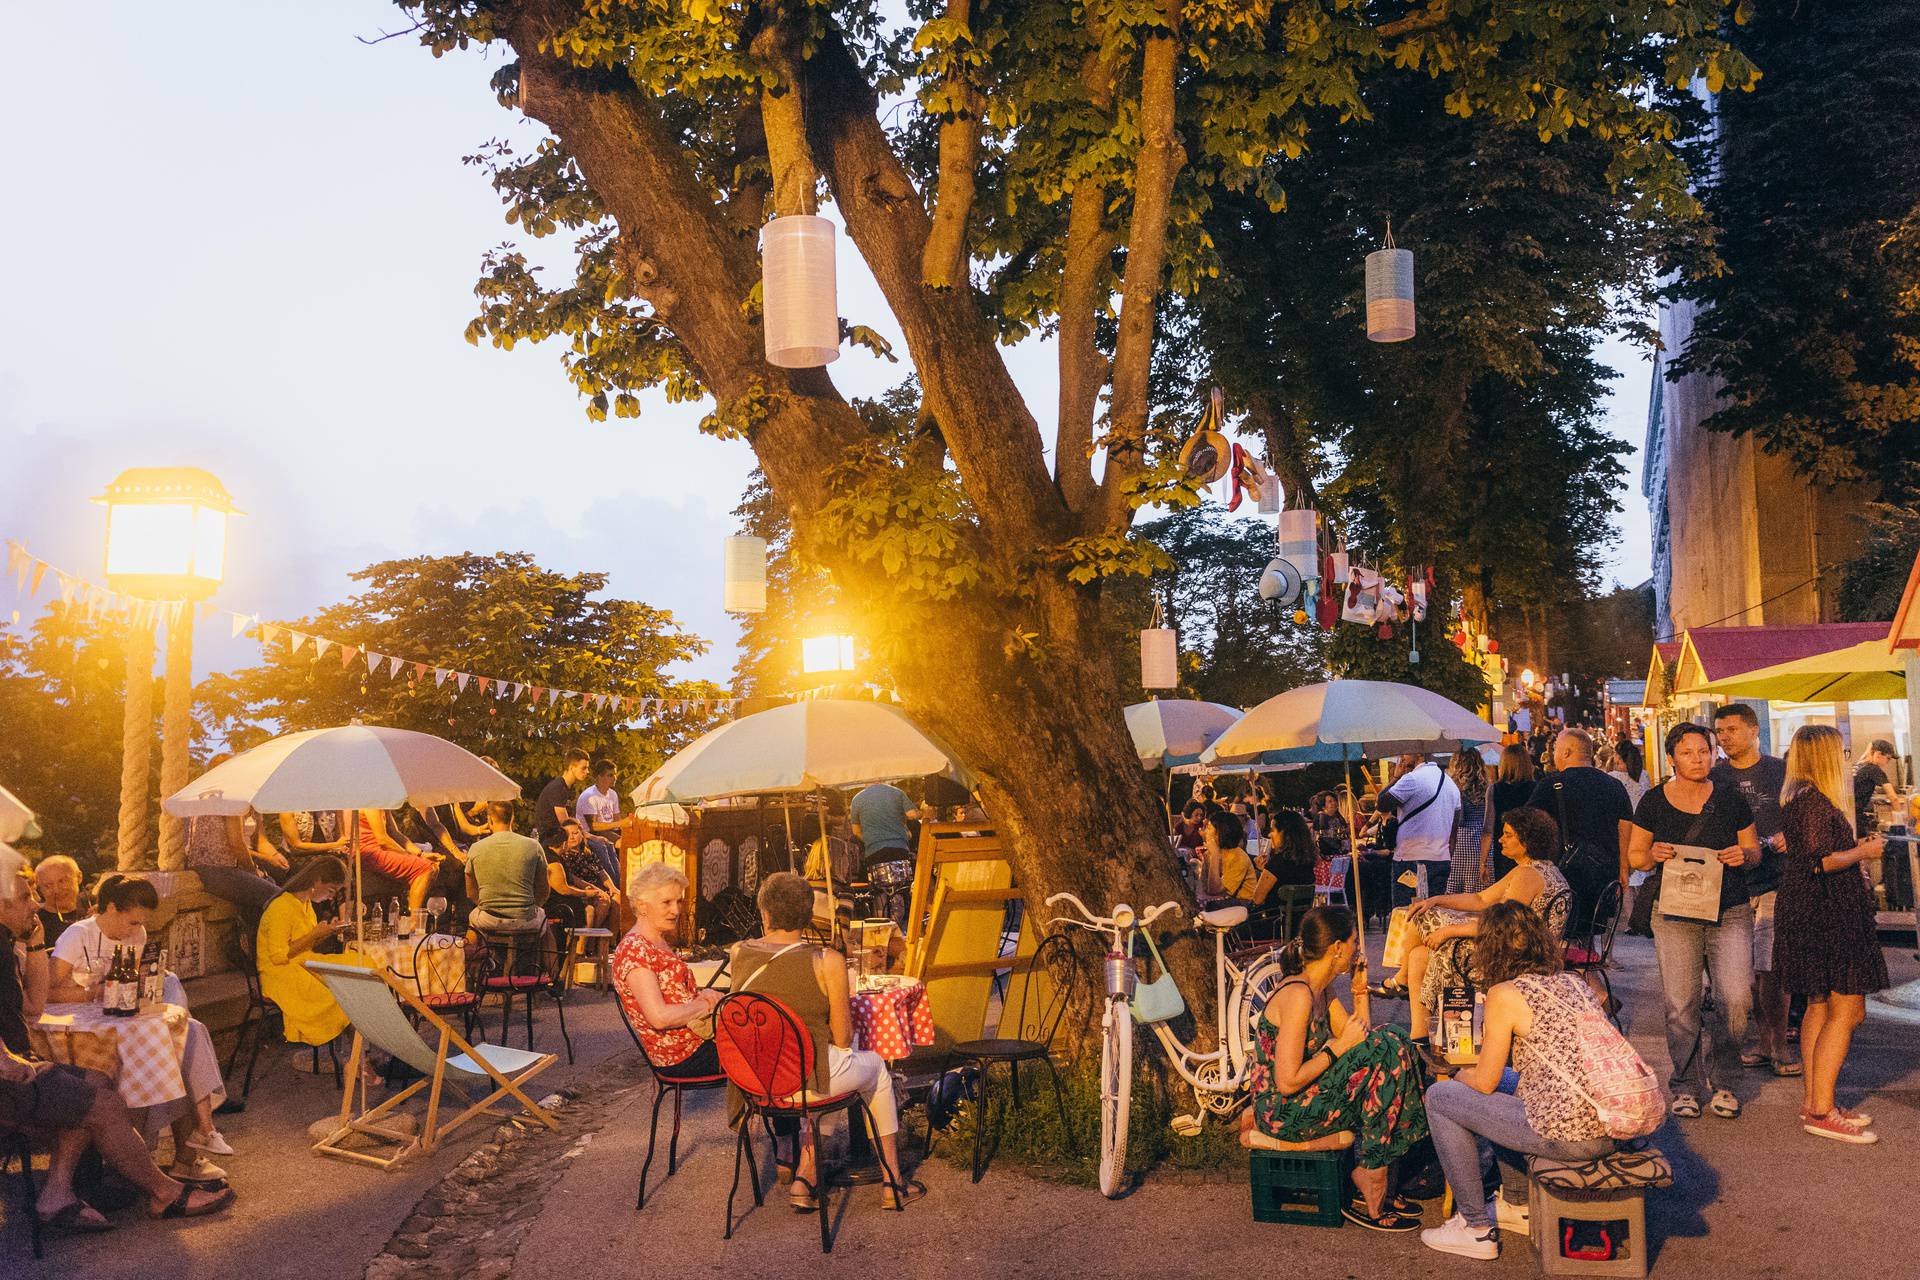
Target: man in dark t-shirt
column 1595, row 818
column 1869, row 781
column 555, row 804
column 1759, row 779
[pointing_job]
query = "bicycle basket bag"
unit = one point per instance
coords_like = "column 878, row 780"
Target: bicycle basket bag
column 1159, row 1000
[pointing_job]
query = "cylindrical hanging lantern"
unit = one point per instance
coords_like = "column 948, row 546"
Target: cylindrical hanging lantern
column 1390, row 293
column 1159, row 655
column 746, row 575
column 1299, row 540
column 1271, row 496
column 799, row 309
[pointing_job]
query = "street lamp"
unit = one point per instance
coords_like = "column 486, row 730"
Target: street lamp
column 167, row 541
column 827, row 656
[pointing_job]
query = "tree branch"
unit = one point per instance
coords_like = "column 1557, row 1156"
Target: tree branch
column 1434, row 15
column 1160, row 158
column 988, row 427
column 680, row 253
column 1083, row 370
column 783, row 118
column 943, row 263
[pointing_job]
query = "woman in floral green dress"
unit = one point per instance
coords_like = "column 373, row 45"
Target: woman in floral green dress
column 1319, row 1070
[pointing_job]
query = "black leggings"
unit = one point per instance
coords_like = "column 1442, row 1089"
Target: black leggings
column 704, row 1062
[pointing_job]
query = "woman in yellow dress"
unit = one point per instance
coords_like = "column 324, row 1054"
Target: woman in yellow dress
column 290, row 929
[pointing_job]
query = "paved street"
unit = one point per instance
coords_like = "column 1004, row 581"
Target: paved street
column 1757, row 1198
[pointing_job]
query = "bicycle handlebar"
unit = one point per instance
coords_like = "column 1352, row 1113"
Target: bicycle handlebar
column 1090, row 920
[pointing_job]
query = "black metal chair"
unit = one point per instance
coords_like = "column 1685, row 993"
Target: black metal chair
column 525, row 964
column 463, row 1004
column 1589, row 952
column 14, row 1145
column 1033, row 1025
column 261, row 1016
column 662, row 1086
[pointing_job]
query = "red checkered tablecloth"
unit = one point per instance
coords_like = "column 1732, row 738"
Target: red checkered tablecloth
column 142, row 1055
column 892, row 1019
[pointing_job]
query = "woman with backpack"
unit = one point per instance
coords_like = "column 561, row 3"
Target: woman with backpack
column 1539, row 1020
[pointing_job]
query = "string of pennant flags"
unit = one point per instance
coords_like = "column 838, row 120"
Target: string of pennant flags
column 31, row 574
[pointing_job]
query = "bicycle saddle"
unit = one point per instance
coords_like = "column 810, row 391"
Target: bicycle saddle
column 1221, row 918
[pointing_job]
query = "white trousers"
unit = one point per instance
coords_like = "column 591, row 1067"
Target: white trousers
column 865, row 1072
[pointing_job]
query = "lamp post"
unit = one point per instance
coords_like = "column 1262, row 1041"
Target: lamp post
column 826, row 659
column 166, row 541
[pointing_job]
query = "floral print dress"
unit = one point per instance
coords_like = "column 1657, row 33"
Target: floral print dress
column 1373, row 1090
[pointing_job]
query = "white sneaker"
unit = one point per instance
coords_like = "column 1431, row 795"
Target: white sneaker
column 1517, row 1218
column 210, row 1142
column 1455, row 1236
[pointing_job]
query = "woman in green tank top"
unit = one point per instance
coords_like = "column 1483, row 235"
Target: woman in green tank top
column 812, row 982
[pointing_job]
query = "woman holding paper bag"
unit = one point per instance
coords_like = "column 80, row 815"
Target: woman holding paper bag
column 1691, row 829
column 1825, row 947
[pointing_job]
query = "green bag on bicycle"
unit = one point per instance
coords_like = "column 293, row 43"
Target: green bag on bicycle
column 1159, row 1000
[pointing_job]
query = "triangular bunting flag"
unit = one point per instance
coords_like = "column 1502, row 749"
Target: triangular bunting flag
column 460, row 678
column 440, row 675
column 241, row 622
column 419, row 671
column 66, row 589
column 40, row 568
column 485, row 681
column 296, row 641
column 347, row 655
column 269, row 634
column 320, row 646
column 393, row 667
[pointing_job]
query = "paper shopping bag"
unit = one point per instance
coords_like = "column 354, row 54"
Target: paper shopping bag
column 1400, row 936
column 1690, row 884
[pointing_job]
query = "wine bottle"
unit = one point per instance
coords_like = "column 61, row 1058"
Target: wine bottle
column 120, row 997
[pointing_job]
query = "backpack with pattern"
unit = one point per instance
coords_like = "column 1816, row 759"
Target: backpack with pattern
column 1619, row 1085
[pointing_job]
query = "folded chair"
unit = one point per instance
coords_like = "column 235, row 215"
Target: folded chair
column 377, row 1005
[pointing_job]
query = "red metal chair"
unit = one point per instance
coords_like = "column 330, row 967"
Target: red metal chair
column 662, row 1086
column 769, row 1057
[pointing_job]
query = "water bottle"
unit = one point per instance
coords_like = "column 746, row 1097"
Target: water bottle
column 393, row 917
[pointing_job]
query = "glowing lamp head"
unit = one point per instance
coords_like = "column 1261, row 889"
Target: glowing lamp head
column 1527, row 677
column 827, row 655
column 167, row 532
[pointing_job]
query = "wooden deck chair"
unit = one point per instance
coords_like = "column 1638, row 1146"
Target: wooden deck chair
column 372, row 1001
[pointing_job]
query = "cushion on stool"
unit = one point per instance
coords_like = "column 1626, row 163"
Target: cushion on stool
column 1621, row 1171
column 1257, row 1141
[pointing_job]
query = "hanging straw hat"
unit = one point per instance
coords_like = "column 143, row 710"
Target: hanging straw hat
column 1206, row 455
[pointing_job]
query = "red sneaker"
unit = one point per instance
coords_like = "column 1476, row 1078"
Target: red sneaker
column 1832, row 1126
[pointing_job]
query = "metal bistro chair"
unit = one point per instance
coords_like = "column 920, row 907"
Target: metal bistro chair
column 14, row 1145
column 1335, row 880
column 662, row 1086
column 526, row 964
column 464, row 1004
column 768, row 1055
column 261, row 1016
column 1033, row 1026
column 1590, row 951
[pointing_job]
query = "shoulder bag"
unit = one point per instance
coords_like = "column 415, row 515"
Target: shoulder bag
column 1640, row 923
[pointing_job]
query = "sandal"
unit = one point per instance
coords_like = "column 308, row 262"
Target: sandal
column 1754, row 1059
column 1724, row 1104
column 898, row 1197
column 182, row 1208
column 1389, row 990
column 803, row 1196
column 1389, row 1220
column 1685, row 1105
column 1788, row 1068
column 73, row 1219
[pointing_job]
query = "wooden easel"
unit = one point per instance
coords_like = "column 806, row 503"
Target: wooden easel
column 962, row 883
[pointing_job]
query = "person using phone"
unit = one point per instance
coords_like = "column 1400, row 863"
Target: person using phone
column 290, row 934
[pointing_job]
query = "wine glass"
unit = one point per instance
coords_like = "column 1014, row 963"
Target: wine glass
column 436, row 908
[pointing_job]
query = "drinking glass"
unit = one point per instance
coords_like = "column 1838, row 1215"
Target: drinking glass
column 436, row 909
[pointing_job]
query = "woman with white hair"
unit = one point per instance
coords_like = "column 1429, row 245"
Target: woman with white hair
column 812, row 983
column 656, row 987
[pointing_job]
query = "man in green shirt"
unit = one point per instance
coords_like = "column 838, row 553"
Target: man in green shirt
column 506, row 877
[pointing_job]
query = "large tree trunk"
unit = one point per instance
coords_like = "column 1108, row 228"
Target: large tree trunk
column 1040, row 725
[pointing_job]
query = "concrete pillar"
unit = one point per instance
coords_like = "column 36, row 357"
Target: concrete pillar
column 176, row 734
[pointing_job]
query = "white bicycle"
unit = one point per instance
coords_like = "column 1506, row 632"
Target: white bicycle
column 1218, row 1077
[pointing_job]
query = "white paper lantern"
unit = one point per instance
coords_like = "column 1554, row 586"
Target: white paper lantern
column 1159, row 658
column 799, row 310
column 746, row 575
column 1272, row 496
column 1390, row 294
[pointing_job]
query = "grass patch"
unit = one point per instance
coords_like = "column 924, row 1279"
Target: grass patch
column 1031, row 1135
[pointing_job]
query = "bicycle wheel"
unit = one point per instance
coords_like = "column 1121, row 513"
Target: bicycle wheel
column 1116, row 1095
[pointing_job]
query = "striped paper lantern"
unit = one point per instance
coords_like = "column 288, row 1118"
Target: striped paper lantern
column 745, row 590
column 800, row 312
column 1390, row 294
column 1299, row 540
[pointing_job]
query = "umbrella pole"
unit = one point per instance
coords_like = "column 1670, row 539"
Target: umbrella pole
column 1168, row 802
column 826, row 859
column 1353, row 843
column 353, row 843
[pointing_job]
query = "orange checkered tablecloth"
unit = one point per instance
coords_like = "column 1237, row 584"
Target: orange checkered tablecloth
column 141, row 1055
column 445, row 964
column 892, row 1019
